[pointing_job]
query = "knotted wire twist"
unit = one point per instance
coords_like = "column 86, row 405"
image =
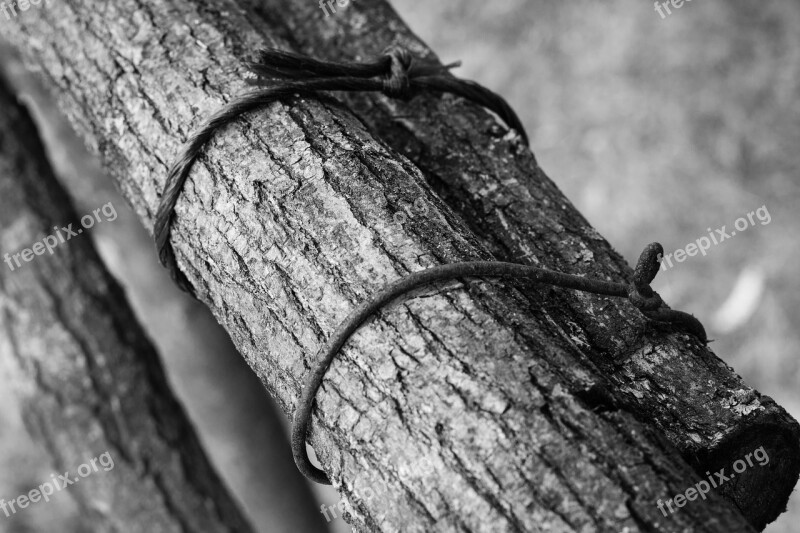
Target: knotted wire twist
column 397, row 84
column 398, row 75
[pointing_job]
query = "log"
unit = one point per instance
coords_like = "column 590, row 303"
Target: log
column 484, row 174
column 287, row 222
column 90, row 383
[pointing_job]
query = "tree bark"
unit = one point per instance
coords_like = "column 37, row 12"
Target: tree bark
column 283, row 237
column 485, row 175
column 89, row 380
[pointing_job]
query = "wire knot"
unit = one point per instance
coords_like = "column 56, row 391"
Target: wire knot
column 397, row 83
column 649, row 303
column 644, row 303
column 640, row 294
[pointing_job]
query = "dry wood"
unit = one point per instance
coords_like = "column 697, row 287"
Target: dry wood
column 288, row 221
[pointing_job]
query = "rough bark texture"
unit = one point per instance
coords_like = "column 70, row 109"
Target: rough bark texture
column 287, row 221
column 484, row 174
column 88, row 377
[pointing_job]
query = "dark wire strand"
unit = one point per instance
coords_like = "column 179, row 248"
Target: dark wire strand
column 639, row 292
column 179, row 172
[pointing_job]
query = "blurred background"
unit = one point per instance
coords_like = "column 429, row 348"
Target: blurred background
column 656, row 127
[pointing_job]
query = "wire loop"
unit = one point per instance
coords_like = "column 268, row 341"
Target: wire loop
column 638, row 292
column 283, row 74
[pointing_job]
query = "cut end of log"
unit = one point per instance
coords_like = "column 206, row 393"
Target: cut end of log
column 756, row 468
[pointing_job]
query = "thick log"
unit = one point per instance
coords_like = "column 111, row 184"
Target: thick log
column 89, row 380
column 483, row 173
column 287, row 222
